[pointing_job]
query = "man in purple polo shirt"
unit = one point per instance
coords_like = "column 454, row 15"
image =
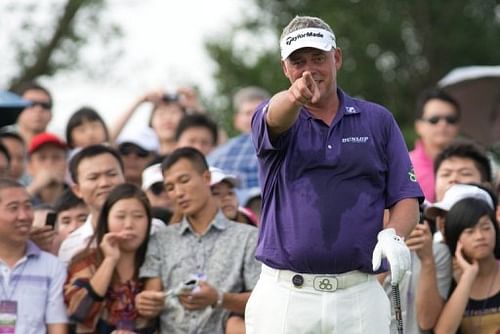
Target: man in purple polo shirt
column 329, row 166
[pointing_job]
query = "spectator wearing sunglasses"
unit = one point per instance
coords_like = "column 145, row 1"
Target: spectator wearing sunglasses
column 437, row 125
column 152, row 185
column 35, row 118
column 137, row 147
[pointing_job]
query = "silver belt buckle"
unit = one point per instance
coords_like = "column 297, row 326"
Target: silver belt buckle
column 325, row 283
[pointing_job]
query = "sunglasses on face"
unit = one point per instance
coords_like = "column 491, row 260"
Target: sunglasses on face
column 450, row 119
column 129, row 149
column 43, row 104
column 157, row 188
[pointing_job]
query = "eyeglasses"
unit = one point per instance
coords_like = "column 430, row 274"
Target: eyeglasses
column 450, row 119
column 157, row 188
column 43, row 104
column 128, row 149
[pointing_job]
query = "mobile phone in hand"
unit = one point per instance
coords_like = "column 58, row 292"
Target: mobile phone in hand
column 50, row 220
column 190, row 285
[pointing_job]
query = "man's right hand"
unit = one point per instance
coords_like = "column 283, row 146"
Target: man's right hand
column 44, row 178
column 43, row 237
column 304, row 90
column 149, row 303
column 420, row 241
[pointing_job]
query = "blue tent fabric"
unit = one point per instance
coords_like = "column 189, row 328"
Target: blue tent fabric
column 11, row 106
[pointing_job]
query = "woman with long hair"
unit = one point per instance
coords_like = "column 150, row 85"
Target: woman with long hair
column 471, row 232
column 103, row 282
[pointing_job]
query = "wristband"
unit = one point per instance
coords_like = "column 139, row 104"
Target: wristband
column 220, row 300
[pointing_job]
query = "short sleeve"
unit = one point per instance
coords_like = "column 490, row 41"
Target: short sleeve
column 152, row 264
column 260, row 132
column 401, row 180
column 56, row 310
column 442, row 257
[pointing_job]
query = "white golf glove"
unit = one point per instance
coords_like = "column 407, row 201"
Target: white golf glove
column 393, row 248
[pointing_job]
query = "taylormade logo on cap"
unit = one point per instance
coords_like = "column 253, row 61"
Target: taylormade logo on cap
column 316, row 38
column 291, row 39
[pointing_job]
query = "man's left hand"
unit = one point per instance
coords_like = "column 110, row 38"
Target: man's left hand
column 201, row 297
column 392, row 247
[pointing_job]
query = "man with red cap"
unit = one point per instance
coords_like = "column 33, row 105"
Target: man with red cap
column 46, row 166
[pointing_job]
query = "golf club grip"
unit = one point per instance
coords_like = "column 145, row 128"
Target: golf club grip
column 397, row 307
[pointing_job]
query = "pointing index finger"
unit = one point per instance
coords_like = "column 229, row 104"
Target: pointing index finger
column 308, row 79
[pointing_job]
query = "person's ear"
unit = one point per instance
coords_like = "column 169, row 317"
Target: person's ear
column 440, row 225
column 338, row 58
column 419, row 127
column 207, row 177
column 76, row 190
column 285, row 69
column 30, row 168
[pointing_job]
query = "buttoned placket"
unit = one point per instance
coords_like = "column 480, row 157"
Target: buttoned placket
column 7, row 292
column 202, row 246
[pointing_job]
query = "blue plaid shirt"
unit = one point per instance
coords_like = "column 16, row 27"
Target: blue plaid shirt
column 238, row 157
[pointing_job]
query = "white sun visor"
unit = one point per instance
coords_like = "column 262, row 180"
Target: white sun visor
column 307, row 38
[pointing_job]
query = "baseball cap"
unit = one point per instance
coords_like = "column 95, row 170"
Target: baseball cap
column 45, row 138
column 144, row 137
column 316, row 38
column 218, row 175
column 249, row 194
column 151, row 175
column 456, row 193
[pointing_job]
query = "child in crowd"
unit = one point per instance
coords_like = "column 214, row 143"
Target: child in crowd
column 86, row 127
column 102, row 283
column 71, row 213
column 222, row 186
column 471, row 232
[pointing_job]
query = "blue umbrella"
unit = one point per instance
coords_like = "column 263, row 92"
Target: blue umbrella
column 11, row 106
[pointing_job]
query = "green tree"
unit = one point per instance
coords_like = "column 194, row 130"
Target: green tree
column 46, row 37
column 392, row 50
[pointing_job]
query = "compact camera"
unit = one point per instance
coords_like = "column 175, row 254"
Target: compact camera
column 170, row 97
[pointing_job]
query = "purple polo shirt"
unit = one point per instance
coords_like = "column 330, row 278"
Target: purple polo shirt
column 325, row 188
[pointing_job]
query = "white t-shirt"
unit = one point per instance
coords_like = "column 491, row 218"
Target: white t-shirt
column 408, row 287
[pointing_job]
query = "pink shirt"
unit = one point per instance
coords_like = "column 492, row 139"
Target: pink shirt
column 424, row 170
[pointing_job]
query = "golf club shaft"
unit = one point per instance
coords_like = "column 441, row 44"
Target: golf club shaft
column 396, row 298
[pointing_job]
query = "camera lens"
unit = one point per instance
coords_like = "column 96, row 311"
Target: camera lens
column 170, row 97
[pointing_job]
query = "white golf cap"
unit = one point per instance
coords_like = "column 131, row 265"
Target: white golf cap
column 218, row 175
column 456, row 193
column 144, row 137
column 316, row 38
column 151, row 175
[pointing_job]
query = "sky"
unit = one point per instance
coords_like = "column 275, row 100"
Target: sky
column 162, row 48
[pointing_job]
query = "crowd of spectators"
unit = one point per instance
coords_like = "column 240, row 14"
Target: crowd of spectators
column 153, row 228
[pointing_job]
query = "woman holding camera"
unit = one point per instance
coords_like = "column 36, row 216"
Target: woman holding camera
column 168, row 109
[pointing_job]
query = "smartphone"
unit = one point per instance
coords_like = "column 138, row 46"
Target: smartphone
column 190, row 285
column 50, row 220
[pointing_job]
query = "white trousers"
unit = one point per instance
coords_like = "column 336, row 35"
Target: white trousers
column 276, row 306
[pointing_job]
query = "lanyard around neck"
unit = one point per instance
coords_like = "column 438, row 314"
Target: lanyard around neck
column 8, row 296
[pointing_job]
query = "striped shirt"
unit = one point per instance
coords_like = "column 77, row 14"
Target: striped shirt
column 238, row 157
column 93, row 313
column 36, row 284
